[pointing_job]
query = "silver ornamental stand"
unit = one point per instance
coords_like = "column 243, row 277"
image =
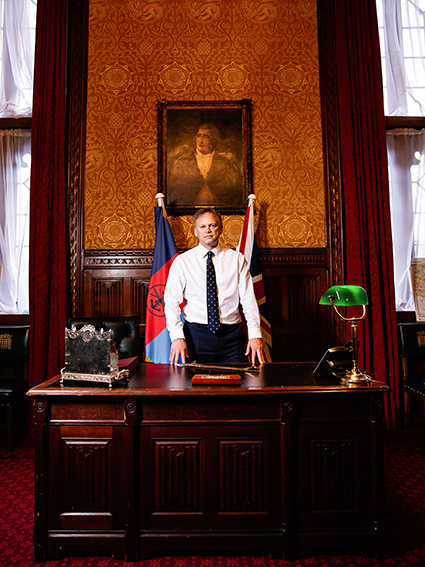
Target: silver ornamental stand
column 91, row 356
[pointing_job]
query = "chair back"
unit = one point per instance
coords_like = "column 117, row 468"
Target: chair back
column 126, row 331
column 412, row 340
column 14, row 345
column 412, row 352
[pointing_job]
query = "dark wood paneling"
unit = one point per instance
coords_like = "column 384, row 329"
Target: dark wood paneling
column 300, row 326
column 140, row 294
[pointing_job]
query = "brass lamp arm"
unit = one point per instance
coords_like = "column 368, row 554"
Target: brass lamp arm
column 349, row 319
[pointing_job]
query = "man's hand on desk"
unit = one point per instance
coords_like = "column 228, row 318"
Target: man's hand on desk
column 178, row 348
column 254, row 349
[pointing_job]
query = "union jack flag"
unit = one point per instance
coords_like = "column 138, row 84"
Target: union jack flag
column 247, row 246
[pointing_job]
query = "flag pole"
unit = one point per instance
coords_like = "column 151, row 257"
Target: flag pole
column 160, row 199
column 251, row 200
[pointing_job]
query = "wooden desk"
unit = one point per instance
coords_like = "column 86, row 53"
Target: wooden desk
column 286, row 463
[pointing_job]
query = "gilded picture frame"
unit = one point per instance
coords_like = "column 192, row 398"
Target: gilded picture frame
column 204, row 155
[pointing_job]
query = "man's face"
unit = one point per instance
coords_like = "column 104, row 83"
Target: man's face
column 204, row 141
column 207, row 230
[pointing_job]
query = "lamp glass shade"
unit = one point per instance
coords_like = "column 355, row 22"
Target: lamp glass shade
column 345, row 295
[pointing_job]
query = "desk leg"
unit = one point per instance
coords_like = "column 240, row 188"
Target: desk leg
column 131, row 456
column 288, row 480
column 41, row 479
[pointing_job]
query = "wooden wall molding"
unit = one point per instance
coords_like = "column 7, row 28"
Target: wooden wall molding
column 144, row 258
column 293, row 256
column 78, row 18
column 118, row 258
column 331, row 152
column 331, row 147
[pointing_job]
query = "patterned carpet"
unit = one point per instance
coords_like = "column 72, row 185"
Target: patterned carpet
column 405, row 487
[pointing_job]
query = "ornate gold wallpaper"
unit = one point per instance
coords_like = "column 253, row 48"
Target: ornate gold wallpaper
column 144, row 50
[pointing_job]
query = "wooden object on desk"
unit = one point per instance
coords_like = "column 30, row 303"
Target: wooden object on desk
column 223, row 380
column 285, row 463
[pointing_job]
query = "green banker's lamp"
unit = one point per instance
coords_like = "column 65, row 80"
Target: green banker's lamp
column 348, row 296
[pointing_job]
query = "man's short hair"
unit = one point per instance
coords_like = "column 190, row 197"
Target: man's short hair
column 205, row 210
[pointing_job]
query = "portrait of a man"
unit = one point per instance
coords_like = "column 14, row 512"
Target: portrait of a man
column 204, row 158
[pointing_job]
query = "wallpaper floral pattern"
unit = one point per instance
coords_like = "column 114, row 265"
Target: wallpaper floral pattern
column 144, row 50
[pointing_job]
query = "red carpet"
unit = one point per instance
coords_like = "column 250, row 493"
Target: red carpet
column 405, row 487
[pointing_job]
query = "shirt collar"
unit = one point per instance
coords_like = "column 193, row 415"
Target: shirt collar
column 202, row 251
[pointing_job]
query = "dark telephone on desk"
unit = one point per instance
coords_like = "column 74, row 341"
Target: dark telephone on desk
column 336, row 360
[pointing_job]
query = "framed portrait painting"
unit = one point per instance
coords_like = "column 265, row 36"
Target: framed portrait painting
column 204, row 155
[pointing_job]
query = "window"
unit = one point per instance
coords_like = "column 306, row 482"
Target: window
column 17, row 43
column 402, row 38
column 401, row 27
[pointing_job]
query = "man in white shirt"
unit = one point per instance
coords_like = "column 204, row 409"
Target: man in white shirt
column 187, row 282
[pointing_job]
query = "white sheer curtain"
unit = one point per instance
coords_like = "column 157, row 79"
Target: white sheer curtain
column 403, row 23
column 406, row 152
column 15, row 160
column 17, row 40
column 402, row 38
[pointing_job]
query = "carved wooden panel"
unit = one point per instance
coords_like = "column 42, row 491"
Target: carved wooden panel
column 243, row 470
column 140, row 293
column 197, row 474
column 334, row 486
column 110, row 291
column 108, row 296
column 178, row 469
column 85, row 475
column 336, row 474
column 82, row 473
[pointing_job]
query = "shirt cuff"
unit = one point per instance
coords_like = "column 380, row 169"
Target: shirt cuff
column 177, row 334
column 254, row 333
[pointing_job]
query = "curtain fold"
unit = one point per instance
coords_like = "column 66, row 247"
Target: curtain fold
column 406, row 154
column 368, row 244
column 394, row 60
column 15, row 161
column 48, row 221
column 16, row 69
column 403, row 24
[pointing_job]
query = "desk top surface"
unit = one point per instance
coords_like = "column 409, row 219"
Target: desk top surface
column 164, row 379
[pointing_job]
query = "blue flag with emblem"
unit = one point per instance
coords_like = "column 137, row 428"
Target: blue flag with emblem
column 157, row 338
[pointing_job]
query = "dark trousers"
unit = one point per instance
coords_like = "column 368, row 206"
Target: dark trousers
column 227, row 345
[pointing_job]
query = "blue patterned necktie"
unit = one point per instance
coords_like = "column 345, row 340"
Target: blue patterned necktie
column 212, row 298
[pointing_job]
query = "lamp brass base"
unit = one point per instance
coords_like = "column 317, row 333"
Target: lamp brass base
column 355, row 376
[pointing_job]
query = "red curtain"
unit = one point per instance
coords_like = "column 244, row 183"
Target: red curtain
column 48, row 221
column 368, row 243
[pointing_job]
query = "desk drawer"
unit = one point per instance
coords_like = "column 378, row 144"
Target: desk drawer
column 212, row 408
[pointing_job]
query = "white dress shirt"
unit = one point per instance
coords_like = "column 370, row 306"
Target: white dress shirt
column 187, row 282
